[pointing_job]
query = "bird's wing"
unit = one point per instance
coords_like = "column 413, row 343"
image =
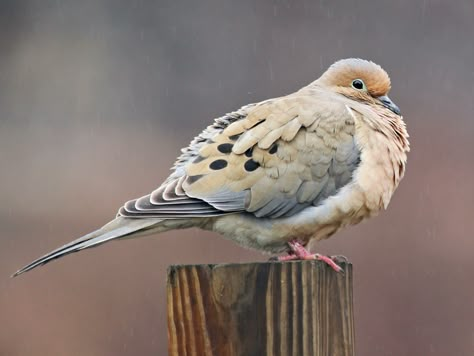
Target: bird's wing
column 271, row 159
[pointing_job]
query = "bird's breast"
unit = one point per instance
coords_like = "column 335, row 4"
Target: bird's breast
column 384, row 146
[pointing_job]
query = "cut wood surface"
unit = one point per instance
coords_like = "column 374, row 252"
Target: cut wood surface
column 301, row 308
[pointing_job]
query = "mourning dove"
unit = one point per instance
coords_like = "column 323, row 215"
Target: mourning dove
column 275, row 175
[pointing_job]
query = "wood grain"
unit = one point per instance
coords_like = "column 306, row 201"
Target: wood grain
column 300, row 308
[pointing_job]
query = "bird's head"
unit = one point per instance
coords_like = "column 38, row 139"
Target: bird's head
column 360, row 80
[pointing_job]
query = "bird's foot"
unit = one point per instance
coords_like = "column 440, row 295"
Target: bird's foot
column 299, row 252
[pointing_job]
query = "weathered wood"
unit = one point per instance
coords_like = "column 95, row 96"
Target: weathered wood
column 301, row 308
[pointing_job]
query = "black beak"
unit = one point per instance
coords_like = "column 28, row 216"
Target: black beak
column 389, row 104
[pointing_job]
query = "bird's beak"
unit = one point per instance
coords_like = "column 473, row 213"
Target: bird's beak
column 389, row 104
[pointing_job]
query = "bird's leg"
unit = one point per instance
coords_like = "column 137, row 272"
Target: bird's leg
column 299, row 252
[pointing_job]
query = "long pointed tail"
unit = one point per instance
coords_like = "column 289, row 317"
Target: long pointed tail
column 119, row 227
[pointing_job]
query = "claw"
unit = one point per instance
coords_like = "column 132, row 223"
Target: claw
column 329, row 261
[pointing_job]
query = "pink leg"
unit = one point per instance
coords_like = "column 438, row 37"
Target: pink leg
column 299, row 252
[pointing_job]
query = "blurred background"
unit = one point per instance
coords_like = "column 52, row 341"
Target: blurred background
column 97, row 97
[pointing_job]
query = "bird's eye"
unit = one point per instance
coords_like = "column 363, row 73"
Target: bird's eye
column 358, row 84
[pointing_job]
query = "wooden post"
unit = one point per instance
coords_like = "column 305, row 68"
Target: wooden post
column 301, row 308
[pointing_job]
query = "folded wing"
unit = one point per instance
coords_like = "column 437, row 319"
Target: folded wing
column 271, row 159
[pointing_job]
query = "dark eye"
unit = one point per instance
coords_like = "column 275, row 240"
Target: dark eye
column 358, row 84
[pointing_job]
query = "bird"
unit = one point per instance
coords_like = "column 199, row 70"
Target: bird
column 276, row 175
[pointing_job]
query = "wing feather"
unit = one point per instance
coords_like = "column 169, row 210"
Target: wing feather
column 272, row 159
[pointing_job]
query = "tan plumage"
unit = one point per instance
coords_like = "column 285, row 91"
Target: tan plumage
column 297, row 167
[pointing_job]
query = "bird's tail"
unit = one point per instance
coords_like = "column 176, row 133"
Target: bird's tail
column 119, row 227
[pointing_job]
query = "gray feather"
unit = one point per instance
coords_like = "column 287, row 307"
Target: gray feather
column 117, row 228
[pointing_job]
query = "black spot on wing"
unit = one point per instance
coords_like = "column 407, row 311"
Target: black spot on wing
column 249, row 152
column 218, row 164
column 273, row 149
column 225, row 148
column 251, row 165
